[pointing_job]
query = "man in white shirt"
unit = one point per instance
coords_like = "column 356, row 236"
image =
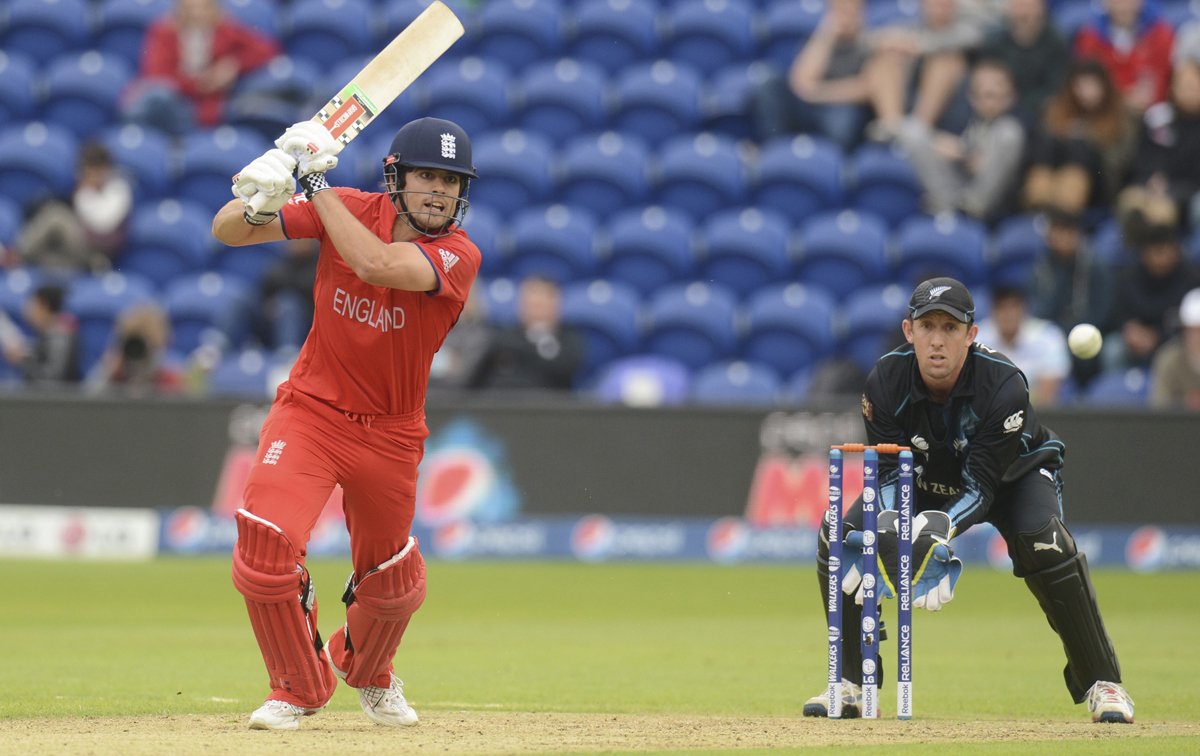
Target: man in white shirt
column 1036, row 346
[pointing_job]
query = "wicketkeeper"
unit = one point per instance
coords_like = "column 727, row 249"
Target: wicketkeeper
column 981, row 455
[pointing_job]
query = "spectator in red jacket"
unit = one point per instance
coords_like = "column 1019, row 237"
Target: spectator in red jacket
column 191, row 58
column 1131, row 39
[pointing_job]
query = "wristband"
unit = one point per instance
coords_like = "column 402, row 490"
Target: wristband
column 313, row 183
column 258, row 219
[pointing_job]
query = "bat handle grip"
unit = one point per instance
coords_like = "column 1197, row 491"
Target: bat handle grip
column 254, row 206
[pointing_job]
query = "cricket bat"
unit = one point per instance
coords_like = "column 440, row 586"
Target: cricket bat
column 387, row 75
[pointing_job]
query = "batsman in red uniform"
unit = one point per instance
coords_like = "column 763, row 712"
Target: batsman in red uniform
column 393, row 274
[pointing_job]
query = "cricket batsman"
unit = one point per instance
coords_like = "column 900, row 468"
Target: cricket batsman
column 394, row 271
column 980, row 455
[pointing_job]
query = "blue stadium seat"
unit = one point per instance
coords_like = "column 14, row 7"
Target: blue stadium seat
column 206, row 308
column 265, row 116
column 167, row 239
column 1016, row 246
column 644, row 381
column 326, row 32
column 789, row 327
column 472, row 92
column 562, row 98
column 787, row 25
column 517, row 32
column 800, row 176
column 882, row 181
column 709, row 34
column 121, row 26
column 882, row 13
column 945, row 245
column 842, row 251
column 869, row 323
column 97, row 302
column 614, row 33
column 555, row 242
column 287, row 78
column 16, row 285
column 208, row 160
column 241, row 374
column 499, row 298
column 649, row 248
column 45, row 29
column 744, row 249
column 248, row 264
column 80, row 91
column 656, row 100
column 11, row 219
column 485, row 226
column 267, row 16
column 1109, row 247
column 18, row 100
column 1069, row 15
column 515, row 170
column 693, row 323
column 146, row 156
column 700, row 174
column 730, row 98
column 606, row 312
column 736, row 383
column 1128, row 387
column 37, row 162
column 603, row 172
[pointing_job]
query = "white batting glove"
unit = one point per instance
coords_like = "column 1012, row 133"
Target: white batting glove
column 312, row 146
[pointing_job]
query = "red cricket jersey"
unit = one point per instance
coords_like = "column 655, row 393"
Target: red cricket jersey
column 370, row 347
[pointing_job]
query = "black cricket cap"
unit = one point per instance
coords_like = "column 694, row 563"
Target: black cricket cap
column 945, row 294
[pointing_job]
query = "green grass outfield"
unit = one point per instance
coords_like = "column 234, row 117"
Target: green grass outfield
column 170, row 637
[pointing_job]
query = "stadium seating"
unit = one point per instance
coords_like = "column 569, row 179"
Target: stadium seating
column 80, row 91
column 869, row 323
column 1128, row 387
column 744, row 249
column 649, row 248
column 1016, row 246
column 17, row 98
column 37, row 162
column 555, row 242
column 206, row 308
column 15, row 287
column 603, row 172
column 44, row 29
column 121, row 26
column 499, row 297
column 146, row 157
column 326, row 32
column 10, row 222
column 883, row 182
column 700, row 174
column 97, row 302
column 842, row 251
column 516, row 170
column 242, row 374
column 209, row 158
column 656, row 100
column 799, row 176
column 708, row 34
column 167, row 239
column 644, row 381
column 267, row 16
column 730, row 99
column 485, row 226
column 787, row 25
column 692, row 323
column 943, row 245
column 606, row 312
column 271, row 98
column 562, row 99
column 472, row 92
column 736, row 383
column 613, row 33
column 1109, row 247
column 789, row 327
column 517, row 33
column 247, row 264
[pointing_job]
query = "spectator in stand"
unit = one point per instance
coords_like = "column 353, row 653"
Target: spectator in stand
column 540, row 351
column 191, row 58
column 1147, row 294
column 84, row 234
column 1175, row 375
column 1036, row 346
column 137, row 363
column 973, row 171
column 1187, row 42
column 926, row 64
column 1133, row 43
column 825, row 92
column 1079, row 156
column 286, row 314
column 51, row 358
column 1168, row 152
column 1034, row 51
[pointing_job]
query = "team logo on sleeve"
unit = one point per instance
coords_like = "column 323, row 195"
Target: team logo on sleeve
column 868, row 410
column 1013, row 422
column 448, row 259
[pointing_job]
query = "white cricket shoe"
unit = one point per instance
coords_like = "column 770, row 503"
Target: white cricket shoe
column 386, row 706
column 278, row 715
column 1109, row 702
column 818, row 706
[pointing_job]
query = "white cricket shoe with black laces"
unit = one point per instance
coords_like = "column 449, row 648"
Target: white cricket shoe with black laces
column 278, row 715
column 386, row 706
column 1109, row 702
column 818, row 706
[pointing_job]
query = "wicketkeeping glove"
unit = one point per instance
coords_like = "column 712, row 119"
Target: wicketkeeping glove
column 935, row 568
column 269, row 177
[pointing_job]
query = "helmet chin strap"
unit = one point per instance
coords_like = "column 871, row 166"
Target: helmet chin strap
column 404, row 212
